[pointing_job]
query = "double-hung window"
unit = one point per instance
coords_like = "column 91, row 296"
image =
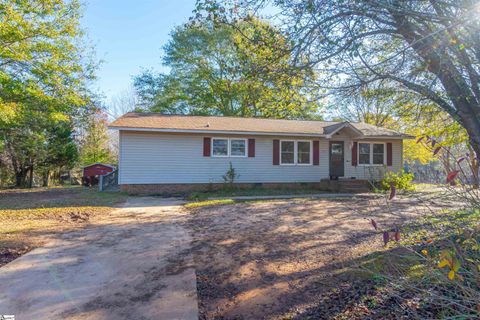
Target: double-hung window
column 303, row 152
column 371, row 153
column 378, row 154
column 295, row 152
column 224, row 147
column 219, row 147
column 364, row 153
column 238, row 147
column 287, row 152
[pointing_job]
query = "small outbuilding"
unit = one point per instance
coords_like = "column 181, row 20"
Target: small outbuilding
column 97, row 169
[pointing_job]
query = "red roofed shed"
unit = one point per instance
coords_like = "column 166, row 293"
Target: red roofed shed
column 97, row 169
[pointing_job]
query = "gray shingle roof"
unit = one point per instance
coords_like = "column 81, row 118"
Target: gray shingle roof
column 184, row 123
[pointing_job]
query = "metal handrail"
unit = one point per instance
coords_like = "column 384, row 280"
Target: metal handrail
column 108, row 180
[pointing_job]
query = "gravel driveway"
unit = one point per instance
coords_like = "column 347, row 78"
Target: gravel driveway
column 133, row 266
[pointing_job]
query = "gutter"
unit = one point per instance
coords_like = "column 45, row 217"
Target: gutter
column 219, row 132
column 256, row 133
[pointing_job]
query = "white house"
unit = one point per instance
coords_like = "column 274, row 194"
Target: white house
column 164, row 153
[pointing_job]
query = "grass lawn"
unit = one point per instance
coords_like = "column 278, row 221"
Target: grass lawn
column 29, row 217
column 435, row 268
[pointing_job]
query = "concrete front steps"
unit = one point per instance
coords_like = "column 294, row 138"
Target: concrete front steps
column 346, row 185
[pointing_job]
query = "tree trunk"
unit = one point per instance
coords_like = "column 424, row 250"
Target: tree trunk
column 475, row 168
column 474, row 139
column 445, row 159
column 46, row 174
column 30, row 180
column 466, row 108
column 20, row 178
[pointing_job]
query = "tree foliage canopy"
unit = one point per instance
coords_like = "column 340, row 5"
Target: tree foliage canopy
column 242, row 69
column 94, row 144
column 427, row 48
column 44, row 71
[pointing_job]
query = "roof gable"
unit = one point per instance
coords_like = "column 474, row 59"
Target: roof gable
column 331, row 130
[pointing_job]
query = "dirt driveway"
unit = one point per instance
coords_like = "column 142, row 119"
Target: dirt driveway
column 153, row 259
column 135, row 265
column 289, row 258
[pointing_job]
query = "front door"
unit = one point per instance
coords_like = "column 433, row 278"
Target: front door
column 337, row 168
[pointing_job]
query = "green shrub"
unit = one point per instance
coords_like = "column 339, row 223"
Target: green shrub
column 230, row 177
column 400, row 180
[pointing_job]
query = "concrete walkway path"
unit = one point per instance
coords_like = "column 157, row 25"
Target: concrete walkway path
column 136, row 266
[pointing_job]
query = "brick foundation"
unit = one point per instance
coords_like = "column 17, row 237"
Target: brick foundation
column 183, row 189
column 347, row 186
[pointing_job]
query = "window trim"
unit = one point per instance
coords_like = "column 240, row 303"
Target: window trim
column 310, row 158
column 245, row 154
column 295, row 153
column 228, row 148
column 369, row 154
column 371, row 143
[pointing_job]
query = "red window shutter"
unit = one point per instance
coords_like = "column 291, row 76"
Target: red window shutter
column 276, row 152
column 389, row 154
column 354, row 154
column 251, row 148
column 206, row 146
column 316, row 153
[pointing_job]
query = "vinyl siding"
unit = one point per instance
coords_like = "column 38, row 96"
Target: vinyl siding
column 156, row 158
column 370, row 172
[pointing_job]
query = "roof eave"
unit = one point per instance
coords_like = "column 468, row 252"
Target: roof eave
column 99, row 163
column 258, row 133
column 387, row 137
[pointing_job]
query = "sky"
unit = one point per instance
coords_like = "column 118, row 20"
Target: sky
column 128, row 36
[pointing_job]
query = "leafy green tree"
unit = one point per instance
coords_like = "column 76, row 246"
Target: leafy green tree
column 42, row 57
column 44, row 71
column 240, row 70
column 36, row 141
column 94, row 144
column 405, row 112
column 427, row 48
column 60, row 150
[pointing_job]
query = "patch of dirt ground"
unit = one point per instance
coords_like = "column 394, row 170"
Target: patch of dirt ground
column 290, row 258
column 31, row 217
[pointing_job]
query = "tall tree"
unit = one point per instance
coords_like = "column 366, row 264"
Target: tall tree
column 428, row 48
column 60, row 150
column 374, row 106
column 44, row 71
column 215, row 70
column 94, row 143
column 123, row 102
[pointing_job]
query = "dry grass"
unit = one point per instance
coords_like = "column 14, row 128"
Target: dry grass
column 29, row 217
column 208, row 203
column 298, row 258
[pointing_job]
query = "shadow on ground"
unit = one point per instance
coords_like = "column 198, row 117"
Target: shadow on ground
column 135, row 265
column 294, row 259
